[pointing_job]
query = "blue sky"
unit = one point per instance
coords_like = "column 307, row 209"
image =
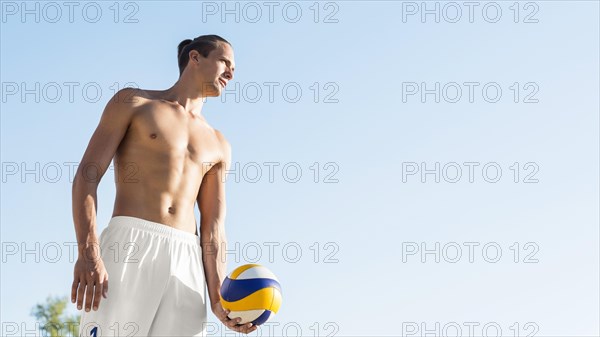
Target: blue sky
column 356, row 221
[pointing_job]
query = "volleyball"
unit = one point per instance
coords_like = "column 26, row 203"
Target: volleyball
column 251, row 292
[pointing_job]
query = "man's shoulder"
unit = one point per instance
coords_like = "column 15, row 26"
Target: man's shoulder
column 222, row 140
column 224, row 144
column 128, row 99
column 133, row 96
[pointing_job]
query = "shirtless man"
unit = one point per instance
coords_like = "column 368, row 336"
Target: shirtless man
column 166, row 158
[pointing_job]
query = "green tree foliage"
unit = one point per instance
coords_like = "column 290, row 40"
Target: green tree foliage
column 53, row 319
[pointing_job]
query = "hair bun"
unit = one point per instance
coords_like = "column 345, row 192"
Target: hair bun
column 182, row 45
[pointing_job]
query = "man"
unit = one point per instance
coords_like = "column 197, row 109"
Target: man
column 166, row 159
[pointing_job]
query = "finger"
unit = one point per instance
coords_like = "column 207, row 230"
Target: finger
column 74, row 290
column 89, row 295
column 247, row 328
column 230, row 323
column 105, row 288
column 233, row 323
column 97, row 295
column 224, row 319
column 252, row 328
column 80, row 292
column 237, row 322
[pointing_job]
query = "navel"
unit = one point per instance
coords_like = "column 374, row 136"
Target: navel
column 172, row 210
column 153, row 136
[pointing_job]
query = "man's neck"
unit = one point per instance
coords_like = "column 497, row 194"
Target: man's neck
column 192, row 101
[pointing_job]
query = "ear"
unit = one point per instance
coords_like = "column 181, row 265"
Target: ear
column 194, row 56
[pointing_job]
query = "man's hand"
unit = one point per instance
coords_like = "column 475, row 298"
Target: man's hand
column 90, row 277
column 232, row 324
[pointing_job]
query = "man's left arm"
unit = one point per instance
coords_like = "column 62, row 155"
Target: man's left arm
column 212, row 204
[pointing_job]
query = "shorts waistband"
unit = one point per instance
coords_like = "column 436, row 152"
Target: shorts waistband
column 154, row 227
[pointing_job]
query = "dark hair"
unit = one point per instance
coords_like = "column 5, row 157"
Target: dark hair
column 203, row 44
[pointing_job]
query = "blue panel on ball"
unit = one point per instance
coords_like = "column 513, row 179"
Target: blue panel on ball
column 262, row 318
column 225, row 286
column 234, row 290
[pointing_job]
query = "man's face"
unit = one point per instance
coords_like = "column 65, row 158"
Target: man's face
column 216, row 70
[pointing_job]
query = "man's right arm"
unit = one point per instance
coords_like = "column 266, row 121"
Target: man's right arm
column 97, row 157
column 89, row 269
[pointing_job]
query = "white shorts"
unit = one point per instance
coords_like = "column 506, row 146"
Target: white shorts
column 156, row 282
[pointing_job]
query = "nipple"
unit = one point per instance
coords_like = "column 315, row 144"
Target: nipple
column 153, row 136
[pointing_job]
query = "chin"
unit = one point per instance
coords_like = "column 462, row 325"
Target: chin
column 216, row 92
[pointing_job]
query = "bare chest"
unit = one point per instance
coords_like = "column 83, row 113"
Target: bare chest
column 173, row 135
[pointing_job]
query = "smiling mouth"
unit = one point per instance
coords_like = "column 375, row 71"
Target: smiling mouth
column 222, row 83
